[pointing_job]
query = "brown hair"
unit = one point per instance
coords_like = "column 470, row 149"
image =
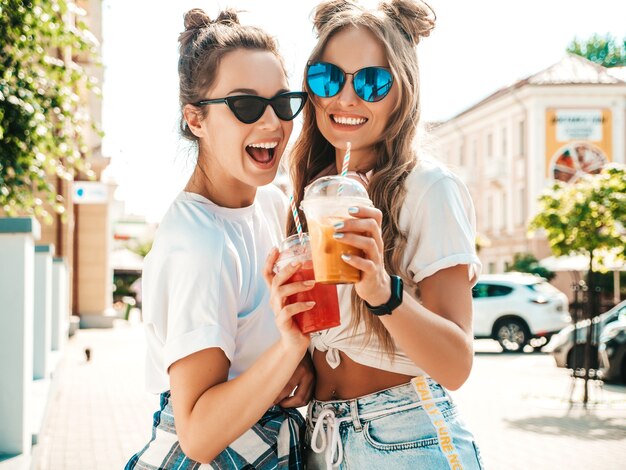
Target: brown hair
column 398, row 25
column 203, row 44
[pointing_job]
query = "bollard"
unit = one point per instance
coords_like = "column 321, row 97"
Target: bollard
column 17, row 254
column 60, row 305
column 42, row 315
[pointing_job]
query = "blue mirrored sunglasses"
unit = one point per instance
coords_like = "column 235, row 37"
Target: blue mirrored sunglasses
column 370, row 83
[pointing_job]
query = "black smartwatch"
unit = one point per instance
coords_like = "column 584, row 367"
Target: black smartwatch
column 394, row 301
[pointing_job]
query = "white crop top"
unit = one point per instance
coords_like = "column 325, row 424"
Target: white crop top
column 439, row 220
column 203, row 282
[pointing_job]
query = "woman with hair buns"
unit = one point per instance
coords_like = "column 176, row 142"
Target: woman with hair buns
column 223, row 362
column 405, row 337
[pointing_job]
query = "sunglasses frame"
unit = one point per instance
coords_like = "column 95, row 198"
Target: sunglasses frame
column 345, row 74
column 231, row 100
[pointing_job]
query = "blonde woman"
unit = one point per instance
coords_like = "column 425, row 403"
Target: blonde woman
column 405, row 338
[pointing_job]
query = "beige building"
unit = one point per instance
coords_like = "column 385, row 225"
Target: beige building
column 556, row 124
column 85, row 240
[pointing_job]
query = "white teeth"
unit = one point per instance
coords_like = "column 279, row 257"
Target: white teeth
column 264, row 145
column 349, row 121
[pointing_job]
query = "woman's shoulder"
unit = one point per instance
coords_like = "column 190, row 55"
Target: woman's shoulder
column 190, row 226
column 427, row 173
column 272, row 201
column 272, row 195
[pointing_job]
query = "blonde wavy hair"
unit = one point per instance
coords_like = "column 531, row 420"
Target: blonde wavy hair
column 398, row 25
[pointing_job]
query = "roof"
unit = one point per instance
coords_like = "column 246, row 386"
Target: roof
column 571, row 70
column 618, row 72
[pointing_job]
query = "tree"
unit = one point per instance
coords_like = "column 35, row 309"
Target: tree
column 586, row 217
column 604, row 50
column 527, row 263
column 141, row 247
column 42, row 126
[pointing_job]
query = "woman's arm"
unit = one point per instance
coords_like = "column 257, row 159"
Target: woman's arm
column 436, row 334
column 210, row 411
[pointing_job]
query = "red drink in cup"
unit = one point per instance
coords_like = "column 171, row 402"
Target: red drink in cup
column 325, row 313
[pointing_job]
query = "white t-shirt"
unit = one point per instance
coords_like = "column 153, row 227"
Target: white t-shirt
column 203, row 283
column 439, row 220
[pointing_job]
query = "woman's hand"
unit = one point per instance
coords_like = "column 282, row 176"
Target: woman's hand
column 364, row 232
column 279, row 291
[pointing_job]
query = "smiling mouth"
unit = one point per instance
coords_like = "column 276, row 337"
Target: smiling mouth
column 263, row 152
column 348, row 121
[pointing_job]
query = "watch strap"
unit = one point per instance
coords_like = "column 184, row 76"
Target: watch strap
column 397, row 289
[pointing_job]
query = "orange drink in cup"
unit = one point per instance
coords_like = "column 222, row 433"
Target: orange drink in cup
column 326, row 202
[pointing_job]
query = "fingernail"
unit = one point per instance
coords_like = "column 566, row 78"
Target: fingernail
column 353, row 210
column 337, row 235
column 338, row 225
column 346, row 257
column 310, row 304
column 309, row 283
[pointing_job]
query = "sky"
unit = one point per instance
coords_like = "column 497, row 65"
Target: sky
column 476, row 48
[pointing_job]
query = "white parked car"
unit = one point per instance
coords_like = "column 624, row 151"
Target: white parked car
column 514, row 308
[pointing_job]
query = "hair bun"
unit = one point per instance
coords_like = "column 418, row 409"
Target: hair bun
column 196, row 18
column 415, row 18
column 227, row 17
column 325, row 11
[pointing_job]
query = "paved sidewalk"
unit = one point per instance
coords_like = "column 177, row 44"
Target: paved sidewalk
column 99, row 413
column 517, row 407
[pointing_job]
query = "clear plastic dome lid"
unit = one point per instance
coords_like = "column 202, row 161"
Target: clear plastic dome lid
column 293, row 249
column 337, row 187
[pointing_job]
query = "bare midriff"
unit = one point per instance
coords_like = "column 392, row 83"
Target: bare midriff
column 351, row 379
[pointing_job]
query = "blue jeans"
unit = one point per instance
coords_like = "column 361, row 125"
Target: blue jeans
column 411, row 426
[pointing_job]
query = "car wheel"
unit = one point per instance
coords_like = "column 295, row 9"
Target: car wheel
column 512, row 334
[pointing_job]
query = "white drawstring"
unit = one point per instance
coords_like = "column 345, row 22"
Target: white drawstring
column 327, row 427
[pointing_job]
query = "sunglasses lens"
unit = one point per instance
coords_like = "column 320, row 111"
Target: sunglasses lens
column 373, row 83
column 247, row 109
column 325, row 80
column 289, row 105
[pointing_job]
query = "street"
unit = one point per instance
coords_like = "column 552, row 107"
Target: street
column 516, row 405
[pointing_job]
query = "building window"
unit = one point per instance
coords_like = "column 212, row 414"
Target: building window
column 522, row 138
column 521, row 207
column 504, row 210
column 474, row 153
column 489, row 145
column 489, row 212
column 504, row 141
column 461, row 159
column 492, row 267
